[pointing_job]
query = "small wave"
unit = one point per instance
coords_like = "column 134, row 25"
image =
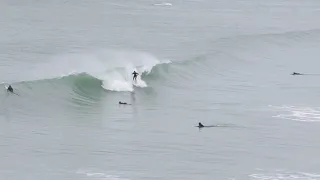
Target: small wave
column 284, row 175
column 305, row 114
column 99, row 175
column 163, row 4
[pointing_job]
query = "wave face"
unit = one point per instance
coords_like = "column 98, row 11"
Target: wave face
column 231, row 66
column 112, row 67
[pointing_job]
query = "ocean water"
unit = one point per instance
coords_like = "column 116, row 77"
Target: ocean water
column 225, row 63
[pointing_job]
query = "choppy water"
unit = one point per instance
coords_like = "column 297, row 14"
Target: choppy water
column 224, row 63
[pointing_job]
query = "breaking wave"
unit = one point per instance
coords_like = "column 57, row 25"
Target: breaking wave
column 112, row 67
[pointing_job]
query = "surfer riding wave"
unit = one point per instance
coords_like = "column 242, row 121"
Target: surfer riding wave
column 135, row 74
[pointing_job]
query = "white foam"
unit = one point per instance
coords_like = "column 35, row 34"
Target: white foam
column 296, row 113
column 99, row 175
column 284, row 175
column 163, row 4
column 121, row 79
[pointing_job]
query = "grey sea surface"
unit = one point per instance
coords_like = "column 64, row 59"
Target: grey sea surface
column 226, row 64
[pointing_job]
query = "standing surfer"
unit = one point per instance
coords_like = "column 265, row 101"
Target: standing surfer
column 135, row 74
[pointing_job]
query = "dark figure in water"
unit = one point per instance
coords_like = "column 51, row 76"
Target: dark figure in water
column 135, row 74
column 123, row 103
column 10, row 88
column 200, row 125
column 294, row 73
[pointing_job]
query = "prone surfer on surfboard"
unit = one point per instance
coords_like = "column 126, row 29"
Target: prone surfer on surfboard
column 135, row 74
column 10, row 89
column 294, row 73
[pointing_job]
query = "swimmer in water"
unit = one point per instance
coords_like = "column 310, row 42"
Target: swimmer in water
column 200, row 125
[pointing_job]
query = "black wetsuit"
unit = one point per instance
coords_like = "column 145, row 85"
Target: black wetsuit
column 124, row 103
column 10, row 89
column 135, row 74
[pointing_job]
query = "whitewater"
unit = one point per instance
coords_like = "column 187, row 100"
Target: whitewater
column 226, row 64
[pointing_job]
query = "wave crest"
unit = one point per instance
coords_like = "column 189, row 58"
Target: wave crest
column 112, row 67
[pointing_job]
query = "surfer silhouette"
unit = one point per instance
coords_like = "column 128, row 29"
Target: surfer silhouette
column 10, row 88
column 124, row 103
column 135, row 74
column 200, row 125
column 294, row 73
